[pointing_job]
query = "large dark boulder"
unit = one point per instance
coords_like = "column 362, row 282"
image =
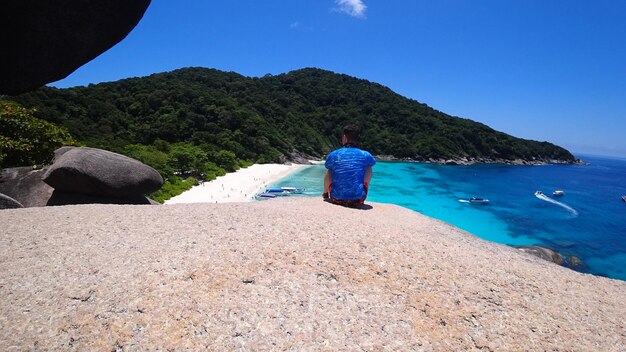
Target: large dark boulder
column 24, row 187
column 65, row 198
column 7, row 202
column 99, row 172
column 44, row 41
column 61, row 151
column 24, row 184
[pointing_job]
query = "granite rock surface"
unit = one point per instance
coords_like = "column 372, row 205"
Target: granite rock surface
column 287, row 274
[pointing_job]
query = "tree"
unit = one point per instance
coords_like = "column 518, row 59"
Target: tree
column 188, row 159
column 226, row 160
column 26, row 140
column 151, row 156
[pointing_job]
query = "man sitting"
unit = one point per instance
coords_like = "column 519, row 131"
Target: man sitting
column 349, row 171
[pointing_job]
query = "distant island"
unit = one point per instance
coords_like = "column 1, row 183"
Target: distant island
column 273, row 117
column 200, row 123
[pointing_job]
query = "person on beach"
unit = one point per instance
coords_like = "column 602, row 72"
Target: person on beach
column 349, row 171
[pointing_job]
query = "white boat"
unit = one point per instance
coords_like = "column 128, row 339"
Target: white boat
column 558, row 193
column 275, row 191
column 263, row 196
column 624, row 198
column 538, row 193
column 293, row 190
column 478, row 201
column 284, row 191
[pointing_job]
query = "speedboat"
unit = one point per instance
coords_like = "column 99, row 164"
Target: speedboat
column 558, row 193
column 624, row 198
column 277, row 192
column 292, row 190
column 283, row 191
column 262, row 196
column 274, row 190
column 538, row 193
column 478, row 201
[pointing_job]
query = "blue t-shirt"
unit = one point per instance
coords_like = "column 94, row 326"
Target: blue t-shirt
column 348, row 166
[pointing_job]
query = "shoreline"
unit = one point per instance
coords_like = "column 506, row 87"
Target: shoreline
column 485, row 161
column 239, row 186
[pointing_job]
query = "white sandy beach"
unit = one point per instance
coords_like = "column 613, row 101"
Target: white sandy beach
column 239, row 186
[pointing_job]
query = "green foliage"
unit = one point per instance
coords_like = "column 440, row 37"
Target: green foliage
column 151, row 156
column 172, row 187
column 224, row 118
column 188, row 159
column 26, row 140
column 178, row 159
column 227, row 160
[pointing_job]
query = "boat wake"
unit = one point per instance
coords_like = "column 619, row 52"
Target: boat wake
column 562, row 205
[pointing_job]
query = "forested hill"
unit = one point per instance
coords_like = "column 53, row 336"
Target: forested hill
column 263, row 119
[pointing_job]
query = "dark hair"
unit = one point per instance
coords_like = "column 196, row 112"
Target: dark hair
column 352, row 133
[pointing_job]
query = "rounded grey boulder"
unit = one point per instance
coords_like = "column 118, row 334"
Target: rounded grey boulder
column 24, row 184
column 7, row 202
column 65, row 198
column 60, row 151
column 101, row 173
column 543, row 253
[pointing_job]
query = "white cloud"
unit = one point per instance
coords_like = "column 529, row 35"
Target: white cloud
column 354, row 8
column 299, row 26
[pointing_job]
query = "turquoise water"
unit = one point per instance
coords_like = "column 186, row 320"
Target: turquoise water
column 589, row 222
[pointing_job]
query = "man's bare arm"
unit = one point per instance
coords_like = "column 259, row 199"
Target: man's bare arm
column 368, row 176
column 327, row 181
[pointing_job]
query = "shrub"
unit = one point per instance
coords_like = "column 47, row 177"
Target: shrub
column 26, row 140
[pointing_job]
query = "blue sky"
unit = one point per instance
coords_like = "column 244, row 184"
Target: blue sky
column 544, row 70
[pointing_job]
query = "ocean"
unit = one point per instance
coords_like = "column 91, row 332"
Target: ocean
column 588, row 221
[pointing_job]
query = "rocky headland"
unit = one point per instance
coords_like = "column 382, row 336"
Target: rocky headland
column 288, row 274
column 464, row 161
